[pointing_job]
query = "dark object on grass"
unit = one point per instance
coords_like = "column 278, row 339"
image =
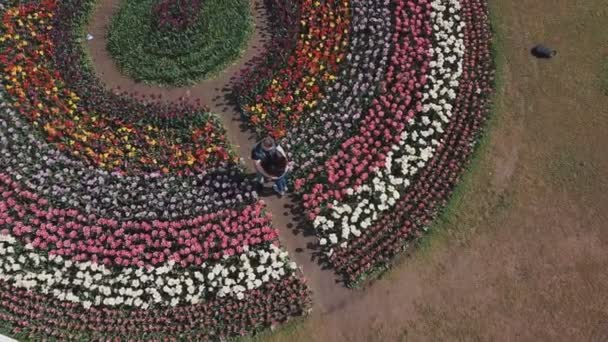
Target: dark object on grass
column 541, row 51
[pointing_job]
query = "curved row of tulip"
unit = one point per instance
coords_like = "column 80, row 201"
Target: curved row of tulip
column 296, row 87
column 406, row 190
column 122, row 218
column 359, row 81
column 389, row 135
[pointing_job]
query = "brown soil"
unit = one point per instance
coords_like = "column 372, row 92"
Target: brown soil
column 522, row 253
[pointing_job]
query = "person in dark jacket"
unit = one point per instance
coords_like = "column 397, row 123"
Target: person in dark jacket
column 270, row 162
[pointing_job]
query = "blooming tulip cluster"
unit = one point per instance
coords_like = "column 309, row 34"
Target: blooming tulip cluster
column 64, row 106
column 66, row 182
column 100, row 257
column 406, row 107
column 283, row 24
column 363, row 203
column 338, row 114
column 91, row 284
column 115, row 242
column 297, row 86
column 430, row 189
column 32, row 315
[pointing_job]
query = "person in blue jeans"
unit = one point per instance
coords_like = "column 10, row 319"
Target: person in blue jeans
column 270, row 162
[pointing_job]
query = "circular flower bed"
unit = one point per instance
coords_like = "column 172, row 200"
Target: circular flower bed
column 127, row 219
column 177, row 42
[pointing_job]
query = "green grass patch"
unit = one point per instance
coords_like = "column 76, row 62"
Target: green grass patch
column 604, row 78
column 217, row 38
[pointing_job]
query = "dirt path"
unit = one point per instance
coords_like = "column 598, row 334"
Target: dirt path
column 328, row 295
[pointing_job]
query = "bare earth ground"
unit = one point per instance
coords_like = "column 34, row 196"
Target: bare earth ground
column 521, row 254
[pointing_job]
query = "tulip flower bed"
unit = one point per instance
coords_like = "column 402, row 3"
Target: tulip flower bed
column 283, row 24
column 122, row 219
column 297, row 85
column 65, row 106
column 178, row 42
column 390, row 132
column 130, row 219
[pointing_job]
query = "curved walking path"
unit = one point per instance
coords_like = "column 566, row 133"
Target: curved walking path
column 328, row 293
